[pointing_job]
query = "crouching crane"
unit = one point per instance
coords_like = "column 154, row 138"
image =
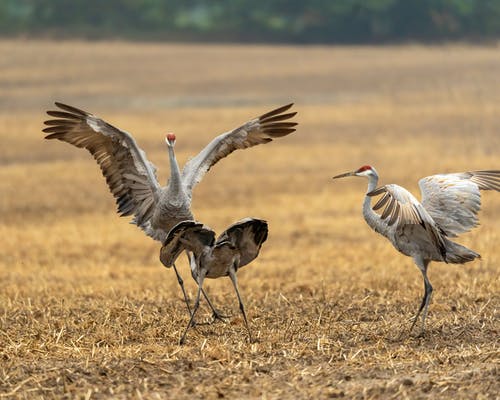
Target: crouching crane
column 449, row 207
column 237, row 246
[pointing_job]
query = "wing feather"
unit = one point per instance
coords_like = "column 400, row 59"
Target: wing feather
column 257, row 131
column 396, row 213
column 388, row 209
column 277, row 118
column 131, row 178
column 382, row 201
column 247, row 236
column 454, row 200
column 186, row 235
column 403, row 209
column 402, row 206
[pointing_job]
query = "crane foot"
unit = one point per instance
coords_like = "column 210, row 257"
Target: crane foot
column 216, row 315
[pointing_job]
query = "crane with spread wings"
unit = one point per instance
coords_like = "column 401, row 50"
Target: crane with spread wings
column 422, row 230
column 131, row 177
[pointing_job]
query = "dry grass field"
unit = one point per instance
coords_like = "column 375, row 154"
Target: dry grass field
column 88, row 311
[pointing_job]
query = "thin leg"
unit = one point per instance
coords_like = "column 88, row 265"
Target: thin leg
column 215, row 314
column 232, row 275
column 424, row 299
column 428, row 296
column 424, row 305
column 181, row 283
column 196, row 306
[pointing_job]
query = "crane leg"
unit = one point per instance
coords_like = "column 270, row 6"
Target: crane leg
column 201, row 277
column 424, row 305
column 232, row 275
column 181, row 283
column 428, row 296
column 216, row 315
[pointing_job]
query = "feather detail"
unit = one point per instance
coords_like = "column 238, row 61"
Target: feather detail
column 131, row 178
column 257, row 131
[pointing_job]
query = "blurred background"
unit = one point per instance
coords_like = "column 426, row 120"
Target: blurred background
column 271, row 21
column 171, row 53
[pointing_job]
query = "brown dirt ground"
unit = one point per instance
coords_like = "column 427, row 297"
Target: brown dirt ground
column 87, row 310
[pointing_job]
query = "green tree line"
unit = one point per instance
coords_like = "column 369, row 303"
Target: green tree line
column 296, row 21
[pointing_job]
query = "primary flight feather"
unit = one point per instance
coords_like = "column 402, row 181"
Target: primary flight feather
column 131, row 177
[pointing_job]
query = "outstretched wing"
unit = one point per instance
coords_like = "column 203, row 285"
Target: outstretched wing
column 247, row 236
column 131, row 178
column 186, row 235
column 402, row 209
column 259, row 130
column 454, row 200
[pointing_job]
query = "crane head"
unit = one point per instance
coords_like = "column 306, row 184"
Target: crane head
column 365, row 170
column 170, row 139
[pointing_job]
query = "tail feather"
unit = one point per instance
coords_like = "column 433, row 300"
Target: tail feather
column 458, row 254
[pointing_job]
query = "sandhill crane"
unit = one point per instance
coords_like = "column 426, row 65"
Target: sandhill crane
column 450, row 203
column 131, row 178
column 237, row 246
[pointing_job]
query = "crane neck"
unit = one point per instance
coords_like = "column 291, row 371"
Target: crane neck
column 175, row 182
column 371, row 217
column 372, row 183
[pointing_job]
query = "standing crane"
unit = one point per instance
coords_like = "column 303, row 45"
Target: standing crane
column 131, row 177
column 449, row 207
column 237, row 246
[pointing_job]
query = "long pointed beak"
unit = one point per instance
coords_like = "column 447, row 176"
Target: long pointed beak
column 352, row 173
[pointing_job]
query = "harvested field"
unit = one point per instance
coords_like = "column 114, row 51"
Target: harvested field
column 88, row 311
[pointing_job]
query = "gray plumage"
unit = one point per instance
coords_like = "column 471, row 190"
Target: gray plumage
column 213, row 258
column 131, row 177
column 421, row 230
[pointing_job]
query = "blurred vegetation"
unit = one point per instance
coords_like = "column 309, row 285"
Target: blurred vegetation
column 313, row 21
